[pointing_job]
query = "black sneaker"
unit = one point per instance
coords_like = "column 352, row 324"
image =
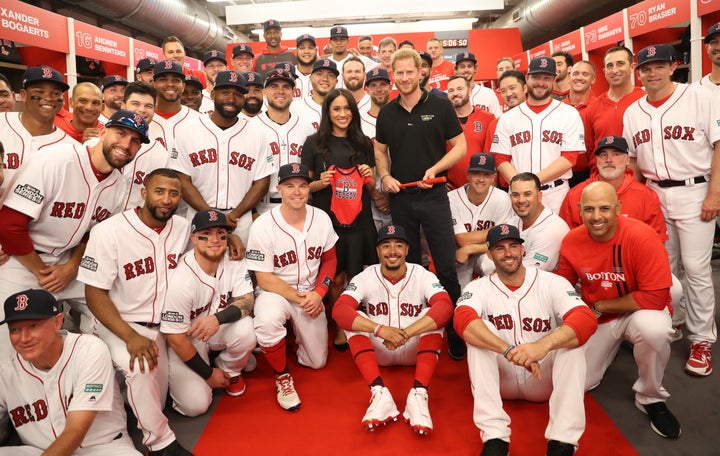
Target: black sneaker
column 457, row 348
column 174, row 449
column 557, row 448
column 495, row 447
column 662, row 421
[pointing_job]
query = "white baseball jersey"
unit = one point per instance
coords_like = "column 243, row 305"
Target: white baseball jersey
column 364, row 103
column 223, row 164
column 207, row 106
column 284, row 144
column 165, row 130
column 303, row 87
column 103, row 119
column 533, row 141
column 19, row 144
column 83, row 379
column 149, row 158
column 486, row 99
column 674, row 141
column 543, row 239
column 308, row 111
column 368, row 123
column 60, row 192
column 394, row 304
column 495, row 209
column 201, row 294
column 133, row 262
column 708, row 84
column 526, row 314
column 292, row 255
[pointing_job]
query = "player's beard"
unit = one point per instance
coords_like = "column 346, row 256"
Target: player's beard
column 354, row 85
column 114, row 104
column 227, row 115
column 252, row 105
column 538, row 93
column 107, row 153
column 424, row 81
column 509, row 270
column 154, row 211
column 381, row 101
column 280, row 107
column 212, row 257
column 459, row 104
column 611, row 173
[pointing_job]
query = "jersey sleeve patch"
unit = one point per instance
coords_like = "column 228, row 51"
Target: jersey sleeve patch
column 93, row 387
column 540, row 257
column 465, row 296
column 89, row 263
column 255, row 255
column 351, row 287
column 30, row 193
column 172, row 316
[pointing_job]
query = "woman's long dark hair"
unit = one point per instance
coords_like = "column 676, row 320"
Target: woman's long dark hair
column 361, row 145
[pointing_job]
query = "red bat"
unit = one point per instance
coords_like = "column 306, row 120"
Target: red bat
column 433, row 181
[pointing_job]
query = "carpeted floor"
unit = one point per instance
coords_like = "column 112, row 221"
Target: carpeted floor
column 334, row 400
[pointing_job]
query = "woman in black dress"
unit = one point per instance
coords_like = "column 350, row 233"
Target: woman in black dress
column 341, row 161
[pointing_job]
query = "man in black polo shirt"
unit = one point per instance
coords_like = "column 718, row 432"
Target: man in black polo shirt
column 414, row 128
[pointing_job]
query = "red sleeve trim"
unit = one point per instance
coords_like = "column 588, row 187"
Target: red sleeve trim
column 652, row 299
column 501, row 158
column 328, row 265
column 14, row 236
column 441, row 308
column 345, row 311
column 582, row 321
column 464, row 315
column 570, row 156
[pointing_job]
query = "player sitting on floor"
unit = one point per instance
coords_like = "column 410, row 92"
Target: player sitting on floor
column 208, row 309
column 407, row 329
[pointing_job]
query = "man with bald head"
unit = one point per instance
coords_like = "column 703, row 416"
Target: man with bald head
column 87, row 104
column 624, row 275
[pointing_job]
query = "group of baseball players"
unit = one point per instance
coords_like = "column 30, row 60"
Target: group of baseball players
column 179, row 233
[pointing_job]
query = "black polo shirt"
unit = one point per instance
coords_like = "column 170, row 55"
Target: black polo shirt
column 416, row 140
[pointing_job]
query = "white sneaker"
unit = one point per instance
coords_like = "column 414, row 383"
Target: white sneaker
column 251, row 364
column 417, row 412
column 382, row 409
column 287, row 397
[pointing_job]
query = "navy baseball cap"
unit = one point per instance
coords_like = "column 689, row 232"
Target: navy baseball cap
column 293, row 170
column 145, row 64
column 482, row 162
column 270, row 23
column 713, row 30
column 279, row 75
column 325, row 64
column 193, row 80
column 375, row 74
column 242, row 48
column 130, row 120
column 112, row 80
column 209, row 219
column 168, row 67
column 425, row 56
column 251, row 77
column 305, row 37
column 543, row 64
column 392, row 232
column 214, row 55
column 32, row 304
column 465, row 56
column 616, row 142
column 656, row 53
column 43, row 73
column 504, row 231
column 286, row 66
column 230, row 78
column 339, row 31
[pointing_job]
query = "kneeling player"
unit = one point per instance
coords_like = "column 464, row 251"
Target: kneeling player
column 406, row 309
column 208, row 309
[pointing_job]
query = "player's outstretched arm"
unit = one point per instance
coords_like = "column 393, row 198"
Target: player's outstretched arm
column 507, row 170
column 272, row 283
column 140, row 347
column 257, row 190
column 555, row 169
column 77, row 424
column 463, row 254
column 57, row 277
column 203, row 328
column 191, row 194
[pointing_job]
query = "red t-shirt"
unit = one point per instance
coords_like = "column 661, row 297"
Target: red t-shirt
column 633, row 260
column 440, row 74
column 475, row 130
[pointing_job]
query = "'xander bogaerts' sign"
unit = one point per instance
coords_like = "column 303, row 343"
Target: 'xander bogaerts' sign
column 30, row 25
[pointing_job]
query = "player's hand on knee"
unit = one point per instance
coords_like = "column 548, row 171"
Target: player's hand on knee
column 525, row 354
column 204, row 328
column 311, row 303
column 218, row 379
column 56, row 278
column 392, row 337
column 236, row 247
column 143, row 350
column 534, row 369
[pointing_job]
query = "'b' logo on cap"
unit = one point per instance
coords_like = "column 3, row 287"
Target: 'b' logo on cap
column 651, row 51
column 233, row 77
column 610, row 140
column 168, row 65
column 47, row 73
column 543, row 63
column 22, row 301
column 213, row 216
column 295, row 168
column 481, row 160
column 504, row 229
column 391, row 229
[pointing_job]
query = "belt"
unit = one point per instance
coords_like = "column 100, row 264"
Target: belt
column 275, row 200
column 667, row 183
column 555, row 183
column 147, row 325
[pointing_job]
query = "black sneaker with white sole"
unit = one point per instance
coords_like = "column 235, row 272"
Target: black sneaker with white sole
column 662, row 421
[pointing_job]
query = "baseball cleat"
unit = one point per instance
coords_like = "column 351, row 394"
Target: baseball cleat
column 382, row 409
column 237, row 386
column 287, row 397
column 662, row 421
column 700, row 361
column 558, row 448
column 495, row 447
column 417, row 412
column 251, row 364
column 174, row 449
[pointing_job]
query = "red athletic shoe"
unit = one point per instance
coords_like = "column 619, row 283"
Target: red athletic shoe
column 237, row 386
column 700, row 360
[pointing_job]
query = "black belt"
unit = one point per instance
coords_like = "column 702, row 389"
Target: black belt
column 549, row 185
column 147, row 325
column 275, row 200
column 667, row 183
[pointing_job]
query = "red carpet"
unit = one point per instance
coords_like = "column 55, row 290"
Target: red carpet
column 334, row 400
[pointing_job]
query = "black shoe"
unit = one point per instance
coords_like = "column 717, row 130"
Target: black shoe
column 495, row 447
column 174, row 449
column 342, row 348
column 457, row 348
column 662, row 421
column 557, row 448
